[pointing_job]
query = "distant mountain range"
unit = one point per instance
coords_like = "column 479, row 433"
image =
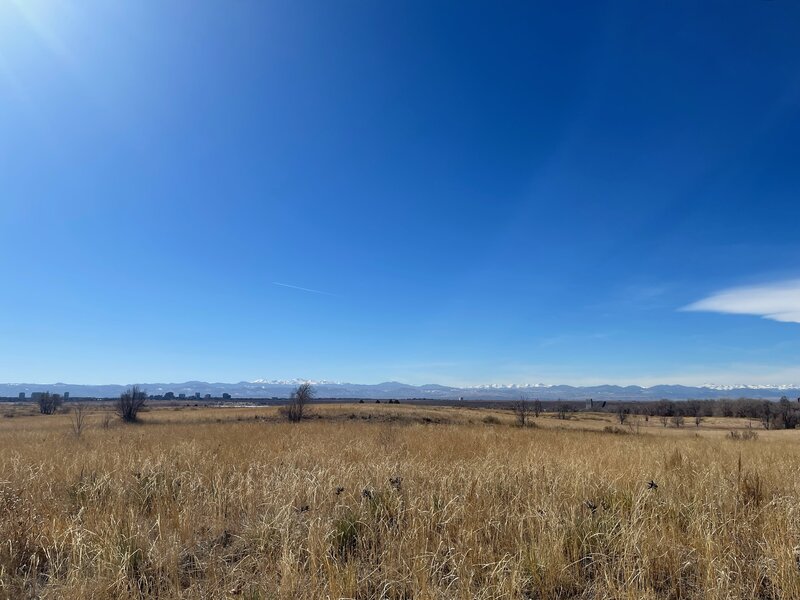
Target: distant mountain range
column 263, row 388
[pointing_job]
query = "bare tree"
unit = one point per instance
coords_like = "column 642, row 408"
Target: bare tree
column 694, row 408
column 766, row 414
column 49, row 403
column 622, row 414
column 301, row 397
column 677, row 420
column 787, row 416
column 78, row 419
column 130, row 403
column 537, row 407
column 726, row 408
column 522, row 410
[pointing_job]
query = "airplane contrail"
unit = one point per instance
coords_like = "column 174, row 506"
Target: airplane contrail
column 302, row 289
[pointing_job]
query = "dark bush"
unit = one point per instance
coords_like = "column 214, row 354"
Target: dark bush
column 130, row 403
column 298, row 403
column 49, row 403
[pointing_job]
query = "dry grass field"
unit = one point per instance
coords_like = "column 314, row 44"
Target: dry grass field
column 397, row 502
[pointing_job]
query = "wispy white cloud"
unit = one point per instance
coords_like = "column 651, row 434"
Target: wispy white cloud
column 302, row 289
column 778, row 301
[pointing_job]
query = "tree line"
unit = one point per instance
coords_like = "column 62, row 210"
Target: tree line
column 783, row 414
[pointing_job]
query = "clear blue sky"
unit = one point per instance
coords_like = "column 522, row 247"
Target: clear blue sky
column 484, row 192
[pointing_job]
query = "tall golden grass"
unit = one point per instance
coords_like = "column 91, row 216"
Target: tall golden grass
column 183, row 506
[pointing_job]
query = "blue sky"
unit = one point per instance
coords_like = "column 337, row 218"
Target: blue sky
column 449, row 192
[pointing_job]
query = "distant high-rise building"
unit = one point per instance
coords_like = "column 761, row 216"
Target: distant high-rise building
column 22, row 396
column 66, row 395
column 208, row 396
column 197, row 395
column 182, row 396
column 226, row 396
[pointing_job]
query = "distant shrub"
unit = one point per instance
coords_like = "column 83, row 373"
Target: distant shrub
column 130, row 403
column 522, row 410
column 491, row 420
column 49, row 403
column 78, row 420
column 537, row 408
column 298, row 403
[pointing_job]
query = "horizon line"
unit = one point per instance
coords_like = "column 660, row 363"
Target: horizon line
column 296, row 381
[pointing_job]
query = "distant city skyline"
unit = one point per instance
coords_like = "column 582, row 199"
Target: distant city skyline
column 419, row 192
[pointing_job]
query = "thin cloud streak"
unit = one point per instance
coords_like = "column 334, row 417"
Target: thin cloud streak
column 779, row 301
column 302, row 289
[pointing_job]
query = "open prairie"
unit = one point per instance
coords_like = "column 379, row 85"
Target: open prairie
column 398, row 502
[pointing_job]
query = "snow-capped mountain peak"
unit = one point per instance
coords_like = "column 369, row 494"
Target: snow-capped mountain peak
column 746, row 386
